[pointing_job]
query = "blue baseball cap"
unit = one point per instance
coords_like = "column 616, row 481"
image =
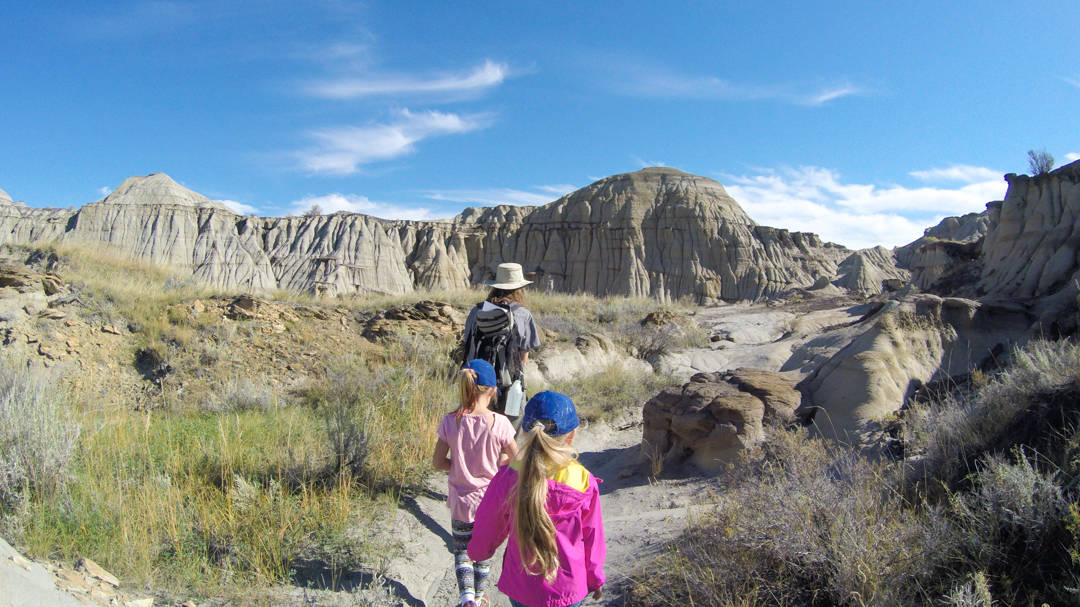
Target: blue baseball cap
column 485, row 373
column 552, row 406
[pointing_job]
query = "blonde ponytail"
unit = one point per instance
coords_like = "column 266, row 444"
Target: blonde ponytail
column 469, row 392
column 541, row 456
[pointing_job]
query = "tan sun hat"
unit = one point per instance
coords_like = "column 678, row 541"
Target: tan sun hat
column 508, row 276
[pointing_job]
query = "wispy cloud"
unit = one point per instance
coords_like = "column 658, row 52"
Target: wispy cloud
column 1075, row 81
column 104, row 191
column 648, row 163
column 1072, row 157
column 496, row 196
column 480, row 78
column 143, row 19
column 643, row 80
column 353, row 203
column 342, row 150
column 239, row 207
column 815, row 199
column 827, row 95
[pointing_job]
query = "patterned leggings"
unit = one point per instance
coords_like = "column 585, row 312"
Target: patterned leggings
column 471, row 577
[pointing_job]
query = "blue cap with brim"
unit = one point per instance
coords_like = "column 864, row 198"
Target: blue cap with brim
column 485, row 373
column 554, row 407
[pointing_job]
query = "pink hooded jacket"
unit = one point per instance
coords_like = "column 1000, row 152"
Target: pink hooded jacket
column 579, row 534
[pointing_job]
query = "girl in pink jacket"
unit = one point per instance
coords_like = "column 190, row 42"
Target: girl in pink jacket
column 549, row 506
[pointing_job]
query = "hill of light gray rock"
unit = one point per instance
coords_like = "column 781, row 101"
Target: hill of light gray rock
column 657, row 232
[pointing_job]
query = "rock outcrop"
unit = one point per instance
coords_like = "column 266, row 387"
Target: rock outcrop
column 902, row 346
column 657, row 232
column 716, row 416
column 1031, row 249
column 870, row 271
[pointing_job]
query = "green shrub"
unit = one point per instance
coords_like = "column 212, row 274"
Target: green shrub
column 1034, row 401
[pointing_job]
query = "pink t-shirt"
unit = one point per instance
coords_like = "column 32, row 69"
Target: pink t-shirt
column 475, row 444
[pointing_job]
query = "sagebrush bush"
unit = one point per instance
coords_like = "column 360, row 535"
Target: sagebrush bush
column 1031, row 402
column 984, row 510
column 38, row 434
column 811, row 523
column 1016, row 514
column 244, row 394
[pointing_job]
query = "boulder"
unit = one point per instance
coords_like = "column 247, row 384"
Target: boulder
column 716, row 416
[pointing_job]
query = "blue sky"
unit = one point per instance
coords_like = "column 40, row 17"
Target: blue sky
column 862, row 121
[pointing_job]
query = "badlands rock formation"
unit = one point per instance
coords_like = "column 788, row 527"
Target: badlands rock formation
column 715, row 416
column 906, row 344
column 658, row 232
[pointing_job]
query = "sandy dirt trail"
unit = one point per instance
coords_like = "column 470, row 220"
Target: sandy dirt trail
column 641, row 514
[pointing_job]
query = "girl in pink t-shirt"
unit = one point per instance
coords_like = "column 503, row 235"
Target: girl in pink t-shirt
column 473, row 443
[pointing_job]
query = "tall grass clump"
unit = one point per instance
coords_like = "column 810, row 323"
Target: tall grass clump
column 38, row 439
column 381, row 407
column 193, row 502
column 615, row 390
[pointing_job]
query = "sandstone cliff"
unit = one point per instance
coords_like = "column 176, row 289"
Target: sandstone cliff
column 1031, row 248
column 658, row 232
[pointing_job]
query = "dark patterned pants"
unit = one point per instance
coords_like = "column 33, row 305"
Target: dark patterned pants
column 471, row 576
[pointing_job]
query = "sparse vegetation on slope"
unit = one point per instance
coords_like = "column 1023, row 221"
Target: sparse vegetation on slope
column 985, row 508
column 229, row 441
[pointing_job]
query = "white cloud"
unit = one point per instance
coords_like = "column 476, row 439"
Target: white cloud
column 496, row 196
column 239, row 207
column 104, row 190
column 1072, row 157
column 827, row 95
column 341, row 150
column 814, row 199
column 352, row 203
column 959, row 172
column 1073, row 81
column 485, row 76
column 652, row 81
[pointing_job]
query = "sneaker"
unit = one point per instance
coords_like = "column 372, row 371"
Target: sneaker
column 483, row 602
column 469, row 604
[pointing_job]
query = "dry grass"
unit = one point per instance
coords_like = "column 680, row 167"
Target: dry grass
column 612, row 392
column 812, row 523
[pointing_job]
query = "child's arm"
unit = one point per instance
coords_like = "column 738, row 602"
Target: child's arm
column 509, row 452
column 441, row 459
column 492, row 523
column 593, row 536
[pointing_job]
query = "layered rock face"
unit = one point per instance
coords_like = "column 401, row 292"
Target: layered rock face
column 905, row 344
column 1032, row 247
column 658, row 232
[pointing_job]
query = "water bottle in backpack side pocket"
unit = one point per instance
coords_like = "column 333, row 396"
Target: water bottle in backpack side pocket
column 514, row 395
